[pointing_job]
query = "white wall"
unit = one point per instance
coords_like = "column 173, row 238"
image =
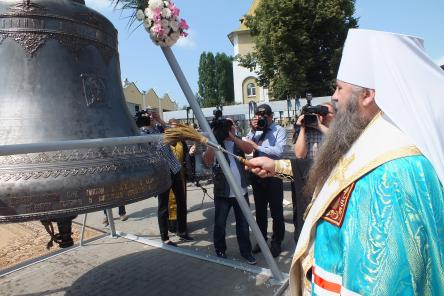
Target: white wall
column 242, row 109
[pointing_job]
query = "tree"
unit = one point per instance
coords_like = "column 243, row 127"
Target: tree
column 298, row 44
column 215, row 84
column 224, row 77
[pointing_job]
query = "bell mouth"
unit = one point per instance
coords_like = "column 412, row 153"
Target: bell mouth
column 41, row 186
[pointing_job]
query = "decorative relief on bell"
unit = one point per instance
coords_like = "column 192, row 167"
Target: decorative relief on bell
column 27, row 7
column 29, row 42
column 31, row 25
column 93, row 89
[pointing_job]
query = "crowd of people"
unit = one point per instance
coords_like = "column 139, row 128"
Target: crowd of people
column 265, row 138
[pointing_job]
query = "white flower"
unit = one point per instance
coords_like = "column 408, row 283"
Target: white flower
column 166, row 3
column 148, row 12
column 153, row 4
column 140, row 15
column 166, row 13
column 174, row 25
column 147, row 24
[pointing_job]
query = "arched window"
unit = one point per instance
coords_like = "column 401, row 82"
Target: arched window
column 251, row 90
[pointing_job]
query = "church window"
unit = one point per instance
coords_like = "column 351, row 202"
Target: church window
column 251, row 90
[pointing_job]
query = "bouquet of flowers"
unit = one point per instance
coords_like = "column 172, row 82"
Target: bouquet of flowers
column 161, row 20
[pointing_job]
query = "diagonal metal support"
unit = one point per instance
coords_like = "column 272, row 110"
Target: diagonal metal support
column 169, row 55
column 191, row 253
column 112, row 227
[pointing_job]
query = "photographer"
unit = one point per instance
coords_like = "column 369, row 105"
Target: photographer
column 311, row 134
column 268, row 139
column 310, row 128
column 224, row 196
column 151, row 123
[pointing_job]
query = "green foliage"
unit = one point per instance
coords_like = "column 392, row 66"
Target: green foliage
column 298, row 44
column 215, row 84
column 224, row 77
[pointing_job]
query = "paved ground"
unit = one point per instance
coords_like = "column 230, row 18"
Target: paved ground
column 111, row 266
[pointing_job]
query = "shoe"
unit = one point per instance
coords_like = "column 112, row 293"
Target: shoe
column 250, row 259
column 124, row 217
column 221, row 254
column 105, row 221
column 186, row 238
column 170, row 243
column 275, row 249
column 256, row 249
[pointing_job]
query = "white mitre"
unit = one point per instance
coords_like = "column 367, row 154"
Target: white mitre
column 409, row 86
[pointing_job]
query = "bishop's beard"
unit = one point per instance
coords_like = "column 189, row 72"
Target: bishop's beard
column 345, row 129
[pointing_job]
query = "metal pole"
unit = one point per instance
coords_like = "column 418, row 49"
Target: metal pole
column 169, row 55
column 75, row 144
column 109, row 214
column 83, row 230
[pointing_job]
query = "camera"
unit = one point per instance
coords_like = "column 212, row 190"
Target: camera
column 261, row 112
column 220, row 126
column 310, row 112
column 217, row 113
column 142, row 118
column 262, row 122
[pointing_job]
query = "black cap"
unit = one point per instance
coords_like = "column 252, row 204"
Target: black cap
column 264, row 109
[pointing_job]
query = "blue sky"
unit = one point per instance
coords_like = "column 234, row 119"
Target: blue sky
column 211, row 21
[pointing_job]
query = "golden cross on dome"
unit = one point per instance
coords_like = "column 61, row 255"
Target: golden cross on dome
column 339, row 173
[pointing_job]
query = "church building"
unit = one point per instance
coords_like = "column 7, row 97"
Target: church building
column 246, row 88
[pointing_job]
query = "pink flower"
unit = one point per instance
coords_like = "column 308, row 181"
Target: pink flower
column 157, row 29
column 183, row 24
column 184, row 34
column 174, row 10
column 157, row 14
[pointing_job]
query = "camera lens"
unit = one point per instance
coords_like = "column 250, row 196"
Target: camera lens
column 261, row 123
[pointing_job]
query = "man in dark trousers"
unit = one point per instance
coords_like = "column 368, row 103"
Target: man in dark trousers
column 268, row 139
column 224, row 195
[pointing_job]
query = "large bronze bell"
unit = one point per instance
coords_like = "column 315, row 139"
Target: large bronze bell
column 60, row 80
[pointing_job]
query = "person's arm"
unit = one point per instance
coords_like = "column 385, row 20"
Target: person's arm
column 208, row 157
column 266, row 167
column 301, row 145
column 246, row 146
column 278, row 148
column 262, row 166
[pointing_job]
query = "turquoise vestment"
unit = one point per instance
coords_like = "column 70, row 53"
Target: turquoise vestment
column 391, row 240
